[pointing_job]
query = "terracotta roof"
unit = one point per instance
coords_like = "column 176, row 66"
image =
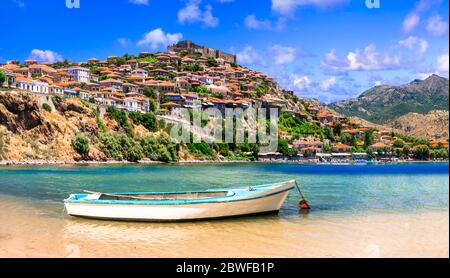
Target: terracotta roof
column 342, row 146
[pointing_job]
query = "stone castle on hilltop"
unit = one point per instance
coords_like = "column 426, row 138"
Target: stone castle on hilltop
column 191, row 49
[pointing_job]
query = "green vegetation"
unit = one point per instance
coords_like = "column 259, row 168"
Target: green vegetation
column 150, row 92
column 148, row 120
column 382, row 103
column 212, row 62
column 297, row 127
column 162, row 78
column 121, row 117
column 368, row 138
column 160, row 149
column 121, row 147
column 60, row 65
column 201, row 149
column 399, row 144
column 2, row 78
column 194, row 68
column 337, row 129
column 422, row 153
column 283, row 147
column 46, row 107
column 262, row 89
column 149, row 59
column 80, row 144
column 202, row 90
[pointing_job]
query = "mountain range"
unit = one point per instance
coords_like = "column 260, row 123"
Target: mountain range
column 385, row 103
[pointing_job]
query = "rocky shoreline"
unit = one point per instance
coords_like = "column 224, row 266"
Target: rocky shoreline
column 148, row 162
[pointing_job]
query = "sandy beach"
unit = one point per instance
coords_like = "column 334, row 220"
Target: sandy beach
column 30, row 232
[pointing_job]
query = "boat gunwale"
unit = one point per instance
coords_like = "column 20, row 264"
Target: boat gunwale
column 220, row 199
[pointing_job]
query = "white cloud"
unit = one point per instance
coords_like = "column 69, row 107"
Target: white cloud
column 45, row 56
column 249, row 56
column 300, row 82
column 410, row 23
column 139, row 2
column 251, row 22
column 424, row 5
column 443, row 64
column 436, row 26
column 287, row 7
column 192, row 13
column 326, row 85
column 419, row 45
column 412, row 20
column 282, row 54
column 123, row 42
column 357, row 60
column 157, row 38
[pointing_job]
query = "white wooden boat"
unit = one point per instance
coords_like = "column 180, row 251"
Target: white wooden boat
column 180, row 206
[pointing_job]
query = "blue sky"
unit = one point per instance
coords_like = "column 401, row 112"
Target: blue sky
column 326, row 49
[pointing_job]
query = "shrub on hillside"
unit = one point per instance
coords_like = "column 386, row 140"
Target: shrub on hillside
column 80, row 144
column 46, row 107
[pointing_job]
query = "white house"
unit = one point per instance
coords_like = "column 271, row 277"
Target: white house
column 56, row 90
column 130, row 104
column 32, row 85
column 140, row 72
column 79, row 74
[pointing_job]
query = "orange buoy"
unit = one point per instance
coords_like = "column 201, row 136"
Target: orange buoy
column 304, row 205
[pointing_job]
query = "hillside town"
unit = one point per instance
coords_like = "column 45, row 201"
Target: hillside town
column 190, row 75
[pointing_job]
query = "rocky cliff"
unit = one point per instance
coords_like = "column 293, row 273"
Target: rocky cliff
column 29, row 132
column 433, row 125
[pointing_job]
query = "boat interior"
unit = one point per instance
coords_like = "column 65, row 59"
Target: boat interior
column 165, row 196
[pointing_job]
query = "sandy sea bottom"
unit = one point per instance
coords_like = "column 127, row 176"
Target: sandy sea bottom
column 29, row 231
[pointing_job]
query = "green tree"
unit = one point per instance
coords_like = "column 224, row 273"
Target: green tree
column 46, row 107
column 161, row 78
column 368, row 138
column 84, row 86
column 121, row 118
column 59, row 65
column 134, row 151
column 406, row 151
column 111, row 146
column 354, row 142
column 201, row 90
column 422, row 153
column 283, row 147
column 337, row 128
column 346, row 138
column 80, row 144
column 149, row 121
column 150, row 92
column 212, row 62
column 2, row 78
column 328, row 133
column 399, row 144
column 159, row 149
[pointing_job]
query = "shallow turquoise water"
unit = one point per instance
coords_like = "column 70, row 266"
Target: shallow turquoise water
column 331, row 189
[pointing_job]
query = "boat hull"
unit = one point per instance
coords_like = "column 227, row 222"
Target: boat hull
column 187, row 212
